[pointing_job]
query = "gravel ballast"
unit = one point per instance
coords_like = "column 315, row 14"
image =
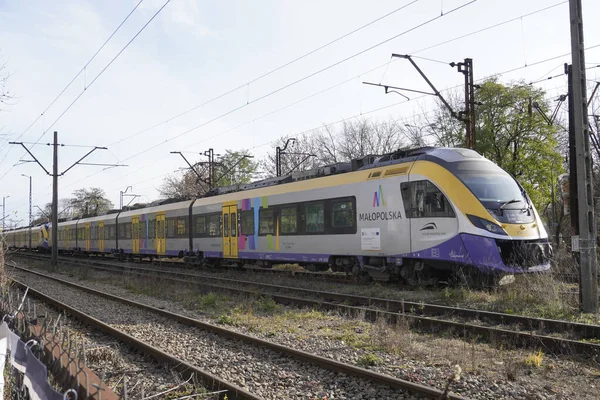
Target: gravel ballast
column 261, row 371
column 488, row 372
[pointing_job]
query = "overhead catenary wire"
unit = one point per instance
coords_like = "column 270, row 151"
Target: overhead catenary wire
column 371, row 111
column 264, row 75
column 496, row 25
column 80, row 71
column 168, row 120
column 416, row 98
column 95, row 79
column 301, row 79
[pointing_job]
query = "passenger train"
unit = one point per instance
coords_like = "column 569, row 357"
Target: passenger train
column 423, row 215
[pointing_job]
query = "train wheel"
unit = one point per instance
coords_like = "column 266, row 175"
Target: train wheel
column 418, row 273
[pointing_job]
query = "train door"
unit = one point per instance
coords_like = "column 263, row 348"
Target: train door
column 100, row 236
column 135, row 235
column 230, row 234
column 161, row 226
column 433, row 220
column 88, row 237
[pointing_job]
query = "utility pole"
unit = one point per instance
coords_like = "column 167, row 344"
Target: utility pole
column 4, row 212
column 211, row 167
column 588, row 285
column 54, row 225
column 468, row 116
column 123, row 194
column 30, row 220
column 278, row 153
column 55, row 175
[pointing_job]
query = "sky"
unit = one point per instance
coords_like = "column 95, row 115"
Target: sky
column 208, row 59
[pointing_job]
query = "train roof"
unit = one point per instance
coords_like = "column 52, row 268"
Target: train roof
column 439, row 155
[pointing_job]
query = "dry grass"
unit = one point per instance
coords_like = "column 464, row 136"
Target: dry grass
column 288, row 267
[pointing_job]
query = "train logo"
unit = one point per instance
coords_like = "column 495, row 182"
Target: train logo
column 378, row 198
column 429, row 226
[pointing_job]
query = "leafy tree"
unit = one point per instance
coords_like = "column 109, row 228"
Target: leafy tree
column 90, row 202
column 509, row 132
column 232, row 168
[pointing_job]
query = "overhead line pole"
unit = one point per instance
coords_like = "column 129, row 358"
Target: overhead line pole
column 55, row 175
column 588, row 285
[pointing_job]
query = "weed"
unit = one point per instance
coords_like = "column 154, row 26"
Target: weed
column 226, row 320
column 534, row 359
column 208, row 301
column 369, row 360
column 267, row 305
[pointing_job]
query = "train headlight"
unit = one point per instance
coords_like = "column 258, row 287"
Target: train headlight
column 487, row 225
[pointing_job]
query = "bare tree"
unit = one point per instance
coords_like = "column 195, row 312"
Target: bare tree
column 234, row 167
column 5, row 95
column 355, row 139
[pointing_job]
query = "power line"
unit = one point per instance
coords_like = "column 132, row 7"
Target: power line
column 490, row 27
column 94, row 80
column 379, row 109
column 303, row 78
column 79, row 73
column 321, row 47
column 472, row 33
column 264, row 75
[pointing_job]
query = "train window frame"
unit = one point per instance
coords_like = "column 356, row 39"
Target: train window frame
column 200, row 221
column 234, row 224
column 128, row 230
column 170, row 228
column 347, row 229
column 247, row 222
column 343, row 202
column 226, row 225
column 283, row 224
column 263, row 215
column 430, row 193
column 181, row 227
column 320, row 203
column 216, row 219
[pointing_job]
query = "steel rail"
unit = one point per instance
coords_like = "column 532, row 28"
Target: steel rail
column 323, row 362
column 208, row 379
column 584, row 331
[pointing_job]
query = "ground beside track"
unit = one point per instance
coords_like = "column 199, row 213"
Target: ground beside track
column 488, row 372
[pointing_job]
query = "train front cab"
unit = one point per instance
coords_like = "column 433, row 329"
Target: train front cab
column 504, row 233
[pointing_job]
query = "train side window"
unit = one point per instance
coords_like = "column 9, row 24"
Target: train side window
column 226, row 225
column 143, row 230
column 152, row 229
column 128, row 228
column 342, row 214
column 266, row 222
column 214, row 224
column 170, row 227
column 233, row 225
column 315, row 218
column 289, row 220
column 427, row 201
column 181, row 227
column 200, row 225
column 247, row 222
column 405, row 189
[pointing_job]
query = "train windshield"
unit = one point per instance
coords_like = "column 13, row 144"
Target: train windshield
column 491, row 185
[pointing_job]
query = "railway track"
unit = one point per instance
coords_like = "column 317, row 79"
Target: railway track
column 231, row 340
column 575, row 338
column 334, row 277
